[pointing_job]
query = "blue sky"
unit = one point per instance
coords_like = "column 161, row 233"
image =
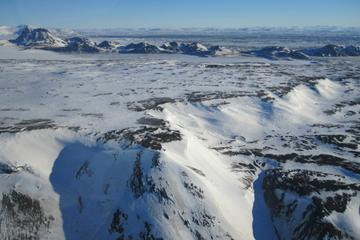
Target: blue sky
column 180, row 13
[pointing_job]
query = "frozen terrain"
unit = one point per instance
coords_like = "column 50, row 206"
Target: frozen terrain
column 177, row 146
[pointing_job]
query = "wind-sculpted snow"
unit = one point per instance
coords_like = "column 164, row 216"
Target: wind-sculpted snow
column 178, row 147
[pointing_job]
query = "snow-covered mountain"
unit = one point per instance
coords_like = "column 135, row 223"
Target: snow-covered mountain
column 38, row 38
column 80, row 44
column 55, row 40
column 333, row 50
column 140, row 48
column 275, row 53
column 41, row 38
column 109, row 45
column 193, row 48
column 44, row 39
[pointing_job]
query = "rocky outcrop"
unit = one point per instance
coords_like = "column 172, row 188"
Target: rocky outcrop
column 300, row 202
column 147, row 136
column 136, row 179
column 22, row 217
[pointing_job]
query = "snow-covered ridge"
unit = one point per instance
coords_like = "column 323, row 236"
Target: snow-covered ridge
column 193, row 48
column 275, row 53
column 330, row 50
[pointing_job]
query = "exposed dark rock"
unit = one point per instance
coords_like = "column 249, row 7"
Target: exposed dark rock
column 155, row 160
column 28, row 125
column 248, row 168
column 148, row 137
column 136, row 180
column 84, row 170
column 204, row 96
column 304, row 182
column 321, row 159
column 203, row 219
column 118, row 223
column 22, row 217
column 11, row 169
column 151, row 103
column 158, row 190
column 147, row 234
column 151, row 121
column 337, row 140
column 106, row 45
column 7, row 169
column 198, row 171
column 194, row 190
column 198, row 235
column 280, row 186
column 80, row 204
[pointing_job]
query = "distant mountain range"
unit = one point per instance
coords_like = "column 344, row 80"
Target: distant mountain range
column 330, row 50
column 41, row 38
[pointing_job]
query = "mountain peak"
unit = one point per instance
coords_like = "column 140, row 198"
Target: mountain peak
column 38, row 37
